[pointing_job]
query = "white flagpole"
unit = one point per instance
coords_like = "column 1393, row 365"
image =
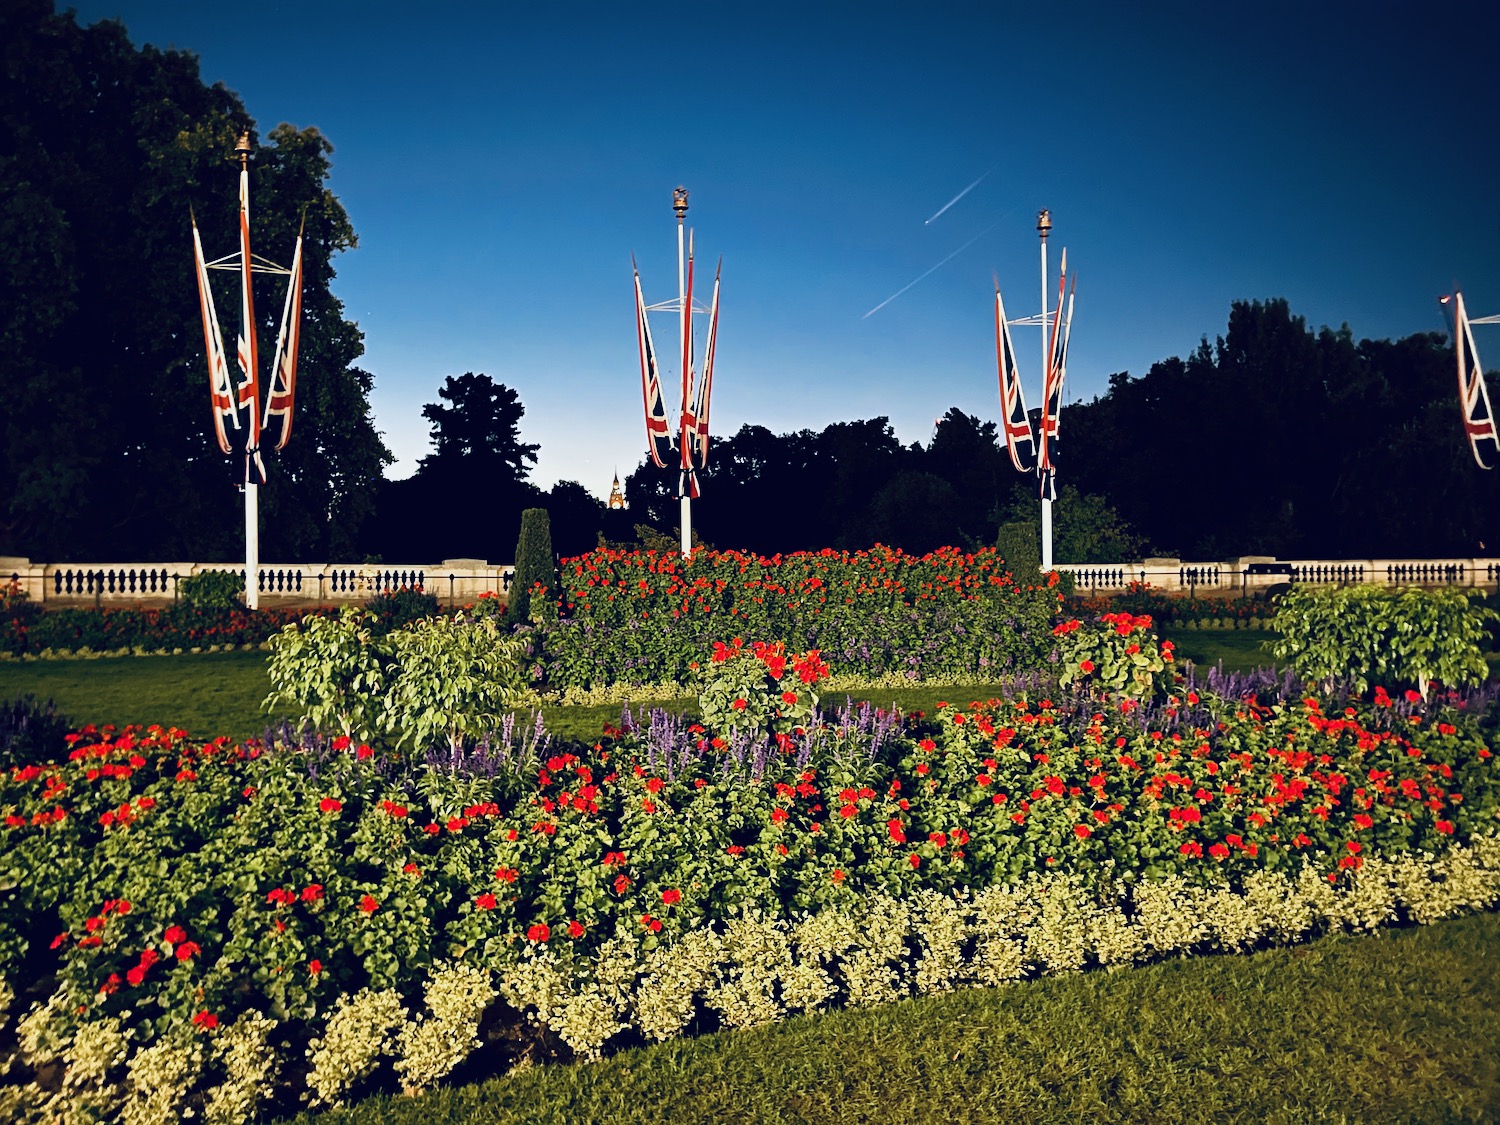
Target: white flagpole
column 1044, row 226
column 252, row 507
column 680, row 206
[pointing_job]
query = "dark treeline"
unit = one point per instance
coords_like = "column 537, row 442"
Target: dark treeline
column 106, row 450
column 1279, row 440
column 1273, row 440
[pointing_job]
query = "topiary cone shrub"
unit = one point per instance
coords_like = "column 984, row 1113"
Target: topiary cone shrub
column 534, row 565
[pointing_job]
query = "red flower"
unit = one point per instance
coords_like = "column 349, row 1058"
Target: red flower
column 671, row 896
column 329, row 804
column 485, row 901
column 136, row 975
column 368, row 905
column 1086, row 665
column 937, row 839
column 575, row 929
column 174, row 934
column 206, row 1020
column 739, row 705
column 312, row 892
column 654, row 785
column 622, row 884
column 1192, row 848
column 506, row 874
column 1445, row 827
column 1219, row 851
column 915, row 861
column 539, row 932
column 838, row 876
column 315, row 966
column 1082, row 831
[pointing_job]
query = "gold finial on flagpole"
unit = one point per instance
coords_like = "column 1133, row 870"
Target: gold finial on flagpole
column 242, row 148
column 679, row 202
column 1044, row 222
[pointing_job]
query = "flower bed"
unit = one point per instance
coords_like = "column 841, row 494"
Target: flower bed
column 41, row 632
column 178, row 909
column 639, row 617
column 1176, row 610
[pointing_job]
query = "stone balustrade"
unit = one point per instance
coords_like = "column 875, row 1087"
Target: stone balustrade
column 1254, row 572
column 453, row 581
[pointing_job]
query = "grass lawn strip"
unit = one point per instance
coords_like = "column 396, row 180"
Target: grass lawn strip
column 221, row 693
column 1402, row 1025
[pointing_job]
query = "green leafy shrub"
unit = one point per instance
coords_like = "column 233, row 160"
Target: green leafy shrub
column 1116, row 654
column 439, row 680
column 215, row 591
column 748, row 691
column 453, row 681
column 335, row 669
column 1368, row 634
column 394, row 609
column 535, row 567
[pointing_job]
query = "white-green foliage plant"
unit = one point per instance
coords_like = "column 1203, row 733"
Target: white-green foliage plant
column 749, row 970
column 359, row 1033
column 443, row 1037
column 1369, row 635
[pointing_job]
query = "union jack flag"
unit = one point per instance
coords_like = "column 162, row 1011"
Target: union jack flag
column 687, row 421
column 283, row 389
column 1052, row 379
column 1473, row 395
column 658, row 434
column 220, row 392
column 706, row 380
column 1020, row 441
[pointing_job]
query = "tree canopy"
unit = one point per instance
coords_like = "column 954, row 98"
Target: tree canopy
column 106, row 445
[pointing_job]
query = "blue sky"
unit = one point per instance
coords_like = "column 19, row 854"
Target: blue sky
column 501, row 162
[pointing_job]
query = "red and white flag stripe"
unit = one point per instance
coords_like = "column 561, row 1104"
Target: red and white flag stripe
column 1473, row 395
column 220, row 392
column 658, row 434
column 1020, row 442
column 282, row 393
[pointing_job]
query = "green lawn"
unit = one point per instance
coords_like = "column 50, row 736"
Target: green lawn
column 1396, row 1026
column 1239, row 649
column 220, row 693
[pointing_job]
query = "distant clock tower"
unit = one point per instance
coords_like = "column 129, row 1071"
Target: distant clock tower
column 616, row 497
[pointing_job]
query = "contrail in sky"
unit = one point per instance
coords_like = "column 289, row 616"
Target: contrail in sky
column 957, row 197
column 940, row 265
